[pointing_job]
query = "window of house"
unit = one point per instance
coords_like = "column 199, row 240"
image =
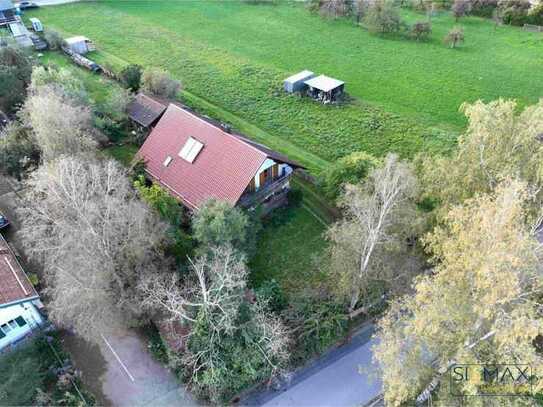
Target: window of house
column 20, row 321
column 190, row 150
column 2, row 334
column 167, row 161
column 6, row 328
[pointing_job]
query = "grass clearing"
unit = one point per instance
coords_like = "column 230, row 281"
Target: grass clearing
column 235, row 55
column 122, row 153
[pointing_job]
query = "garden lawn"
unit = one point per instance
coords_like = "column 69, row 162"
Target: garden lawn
column 288, row 246
column 235, row 55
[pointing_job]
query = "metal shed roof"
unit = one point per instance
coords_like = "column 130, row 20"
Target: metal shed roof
column 299, row 76
column 324, row 83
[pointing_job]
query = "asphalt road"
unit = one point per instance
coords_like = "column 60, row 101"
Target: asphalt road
column 343, row 377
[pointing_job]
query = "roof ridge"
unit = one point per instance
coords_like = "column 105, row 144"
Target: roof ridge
column 221, row 130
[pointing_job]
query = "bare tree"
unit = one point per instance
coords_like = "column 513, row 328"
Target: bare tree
column 210, row 301
column 379, row 218
column 94, row 238
column 334, row 8
column 461, row 8
column 60, row 125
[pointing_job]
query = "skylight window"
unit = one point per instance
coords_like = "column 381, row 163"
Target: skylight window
column 190, row 150
column 167, row 161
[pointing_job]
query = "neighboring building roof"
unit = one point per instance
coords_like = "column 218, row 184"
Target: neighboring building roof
column 6, row 5
column 299, row 76
column 145, row 110
column 76, row 39
column 221, row 169
column 324, row 83
column 14, row 284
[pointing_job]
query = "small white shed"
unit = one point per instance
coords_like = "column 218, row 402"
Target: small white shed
column 80, row 45
column 36, row 24
column 296, row 83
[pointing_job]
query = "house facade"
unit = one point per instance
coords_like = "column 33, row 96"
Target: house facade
column 19, row 301
column 197, row 159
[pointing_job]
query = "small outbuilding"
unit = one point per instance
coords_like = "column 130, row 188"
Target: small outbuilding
column 146, row 110
column 37, row 26
column 295, row 83
column 324, row 88
column 80, row 45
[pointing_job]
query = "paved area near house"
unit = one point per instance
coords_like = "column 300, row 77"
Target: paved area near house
column 119, row 372
column 341, row 378
column 134, row 378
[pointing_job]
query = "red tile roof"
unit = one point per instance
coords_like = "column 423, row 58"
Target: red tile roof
column 14, row 284
column 222, row 170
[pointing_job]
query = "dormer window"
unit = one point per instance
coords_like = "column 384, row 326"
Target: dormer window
column 190, row 150
column 167, row 161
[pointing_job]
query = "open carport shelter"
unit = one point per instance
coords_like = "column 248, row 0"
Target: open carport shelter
column 324, row 88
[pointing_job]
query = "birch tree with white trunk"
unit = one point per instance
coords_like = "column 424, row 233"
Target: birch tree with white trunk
column 379, row 217
column 481, row 304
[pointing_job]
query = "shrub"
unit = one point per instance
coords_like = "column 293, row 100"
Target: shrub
column 53, row 39
column 421, row 30
column 535, row 15
column 158, row 82
column 116, row 105
column 382, row 18
column 483, row 8
column 18, row 150
column 61, row 79
column 218, row 223
column 319, row 323
column 514, row 12
column 454, row 37
column 271, row 293
column 347, row 170
column 15, row 73
column 169, row 209
column 461, row 8
column 131, row 77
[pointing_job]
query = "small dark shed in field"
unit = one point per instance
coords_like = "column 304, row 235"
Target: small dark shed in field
column 295, row 83
column 324, row 88
column 146, row 110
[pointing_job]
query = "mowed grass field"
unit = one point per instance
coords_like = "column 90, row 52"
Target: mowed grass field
column 234, row 56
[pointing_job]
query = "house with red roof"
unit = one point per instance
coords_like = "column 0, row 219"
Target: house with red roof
column 197, row 159
column 19, row 301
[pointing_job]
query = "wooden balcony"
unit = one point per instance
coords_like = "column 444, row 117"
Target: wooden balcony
column 272, row 188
